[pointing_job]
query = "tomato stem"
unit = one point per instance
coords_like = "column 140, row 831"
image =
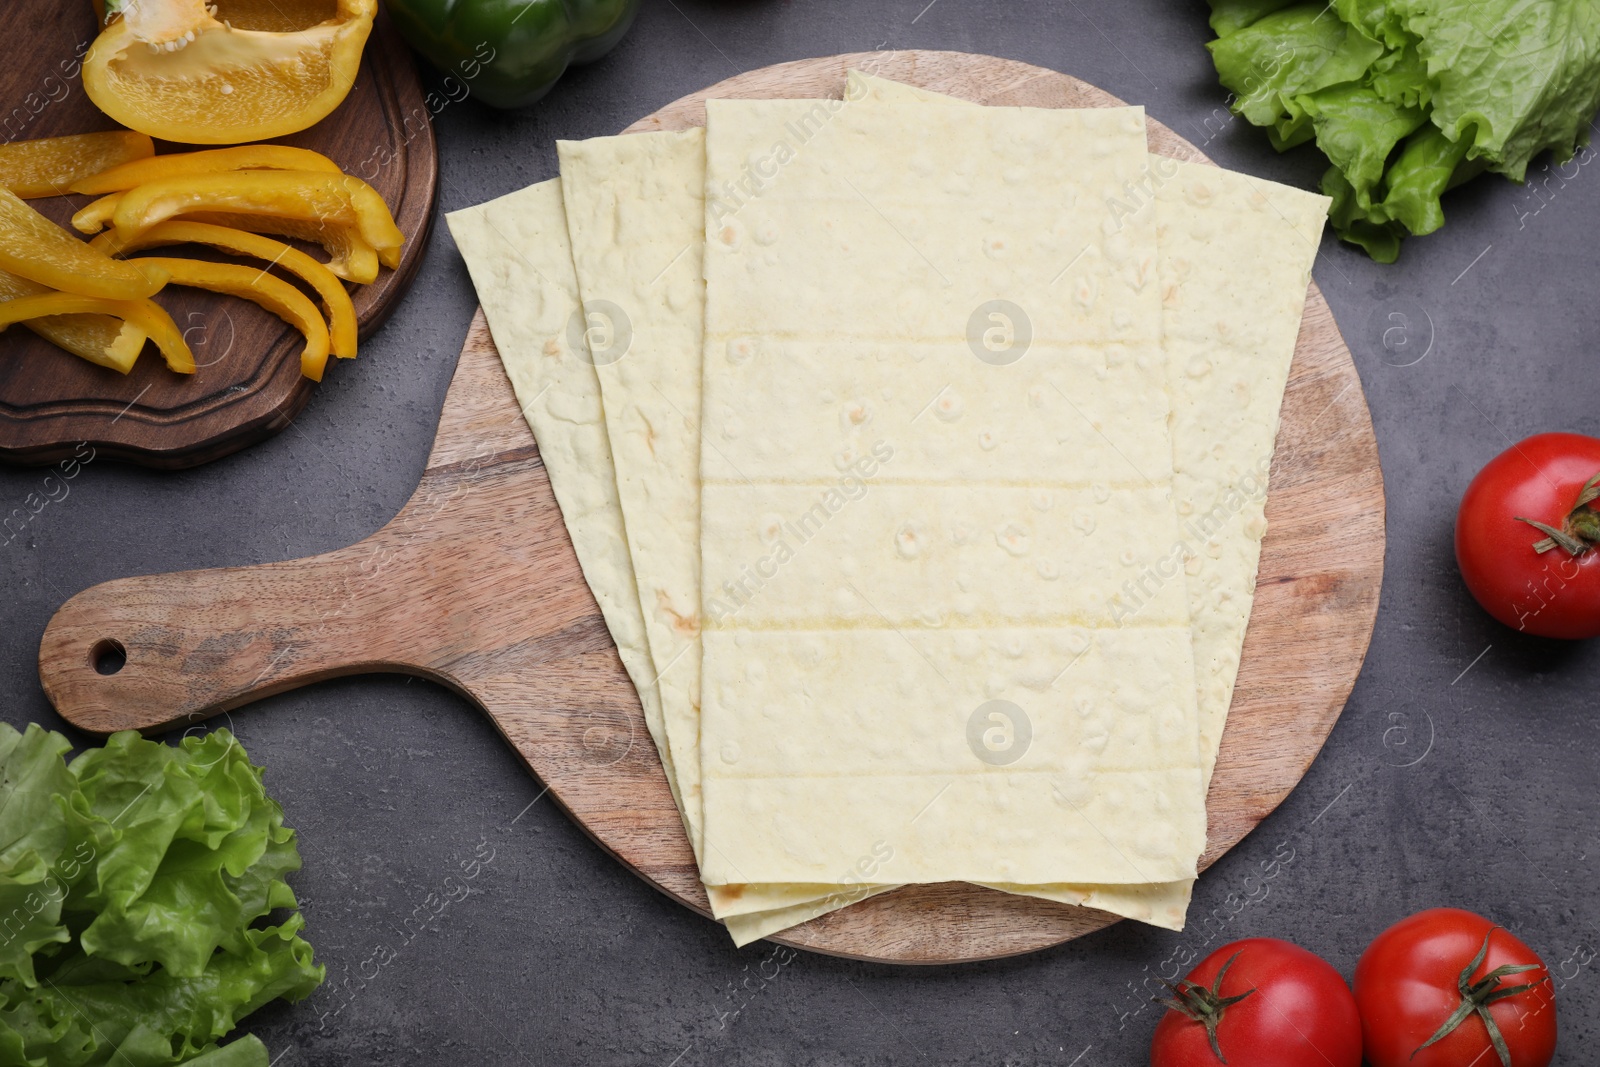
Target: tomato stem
column 1580, row 530
column 1202, row 1005
column 1477, row 996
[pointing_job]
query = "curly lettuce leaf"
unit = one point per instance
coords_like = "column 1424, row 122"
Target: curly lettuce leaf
column 1287, row 54
column 38, row 834
column 1408, row 98
column 248, row 1051
column 1375, row 19
column 1514, row 77
column 1425, row 169
column 32, row 778
column 84, row 1024
column 164, row 862
column 207, row 802
column 1401, row 77
column 1230, row 16
column 1357, row 129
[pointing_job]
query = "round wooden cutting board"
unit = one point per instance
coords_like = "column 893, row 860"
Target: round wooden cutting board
column 475, row 584
column 248, row 385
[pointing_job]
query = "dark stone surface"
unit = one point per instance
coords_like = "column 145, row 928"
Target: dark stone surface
column 1461, row 773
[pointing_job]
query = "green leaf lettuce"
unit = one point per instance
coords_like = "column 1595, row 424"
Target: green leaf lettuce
column 136, row 889
column 1408, row 98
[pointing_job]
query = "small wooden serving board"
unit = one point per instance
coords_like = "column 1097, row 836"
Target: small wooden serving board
column 475, row 585
column 248, row 385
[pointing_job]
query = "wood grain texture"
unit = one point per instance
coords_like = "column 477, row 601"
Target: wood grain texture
column 475, row 585
column 248, row 386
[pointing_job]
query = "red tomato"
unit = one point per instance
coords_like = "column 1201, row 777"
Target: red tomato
column 1260, row 1002
column 1418, row 974
column 1555, row 593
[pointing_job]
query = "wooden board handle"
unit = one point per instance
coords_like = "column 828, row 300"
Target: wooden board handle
column 201, row 642
column 475, row 569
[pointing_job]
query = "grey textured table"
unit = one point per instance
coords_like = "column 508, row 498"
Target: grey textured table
column 1461, row 773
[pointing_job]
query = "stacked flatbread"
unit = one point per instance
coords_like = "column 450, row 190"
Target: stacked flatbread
column 916, row 454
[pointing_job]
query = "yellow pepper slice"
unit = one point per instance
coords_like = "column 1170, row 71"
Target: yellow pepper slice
column 145, row 315
column 216, row 161
column 39, row 250
column 257, row 286
column 287, row 193
column 100, row 339
column 341, row 311
column 96, row 215
column 49, row 165
column 349, row 257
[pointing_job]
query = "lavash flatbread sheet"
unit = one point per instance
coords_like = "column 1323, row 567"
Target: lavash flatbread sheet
column 1235, row 260
column 1164, row 904
column 517, row 253
column 1235, row 257
column 633, row 205
column 840, row 691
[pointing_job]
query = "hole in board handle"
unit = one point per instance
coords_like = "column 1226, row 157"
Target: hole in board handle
column 108, row 656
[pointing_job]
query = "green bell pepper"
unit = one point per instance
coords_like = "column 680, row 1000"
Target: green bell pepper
column 510, row 52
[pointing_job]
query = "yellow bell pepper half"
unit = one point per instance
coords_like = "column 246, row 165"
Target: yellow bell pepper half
column 316, row 197
column 48, row 166
column 144, row 315
column 216, row 161
column 39, row 250
column 200, row 73
column 100, row 339
column 257, row 286
column 341, row 311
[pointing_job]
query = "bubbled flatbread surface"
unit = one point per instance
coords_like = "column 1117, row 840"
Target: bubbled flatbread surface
column 517, row 252
column 1234, row 257
column 633, row 210
column 921, row 555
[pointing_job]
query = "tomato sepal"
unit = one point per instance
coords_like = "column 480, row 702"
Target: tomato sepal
column 1580, row 530
column 1477, row 996
column 1204, row 1005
